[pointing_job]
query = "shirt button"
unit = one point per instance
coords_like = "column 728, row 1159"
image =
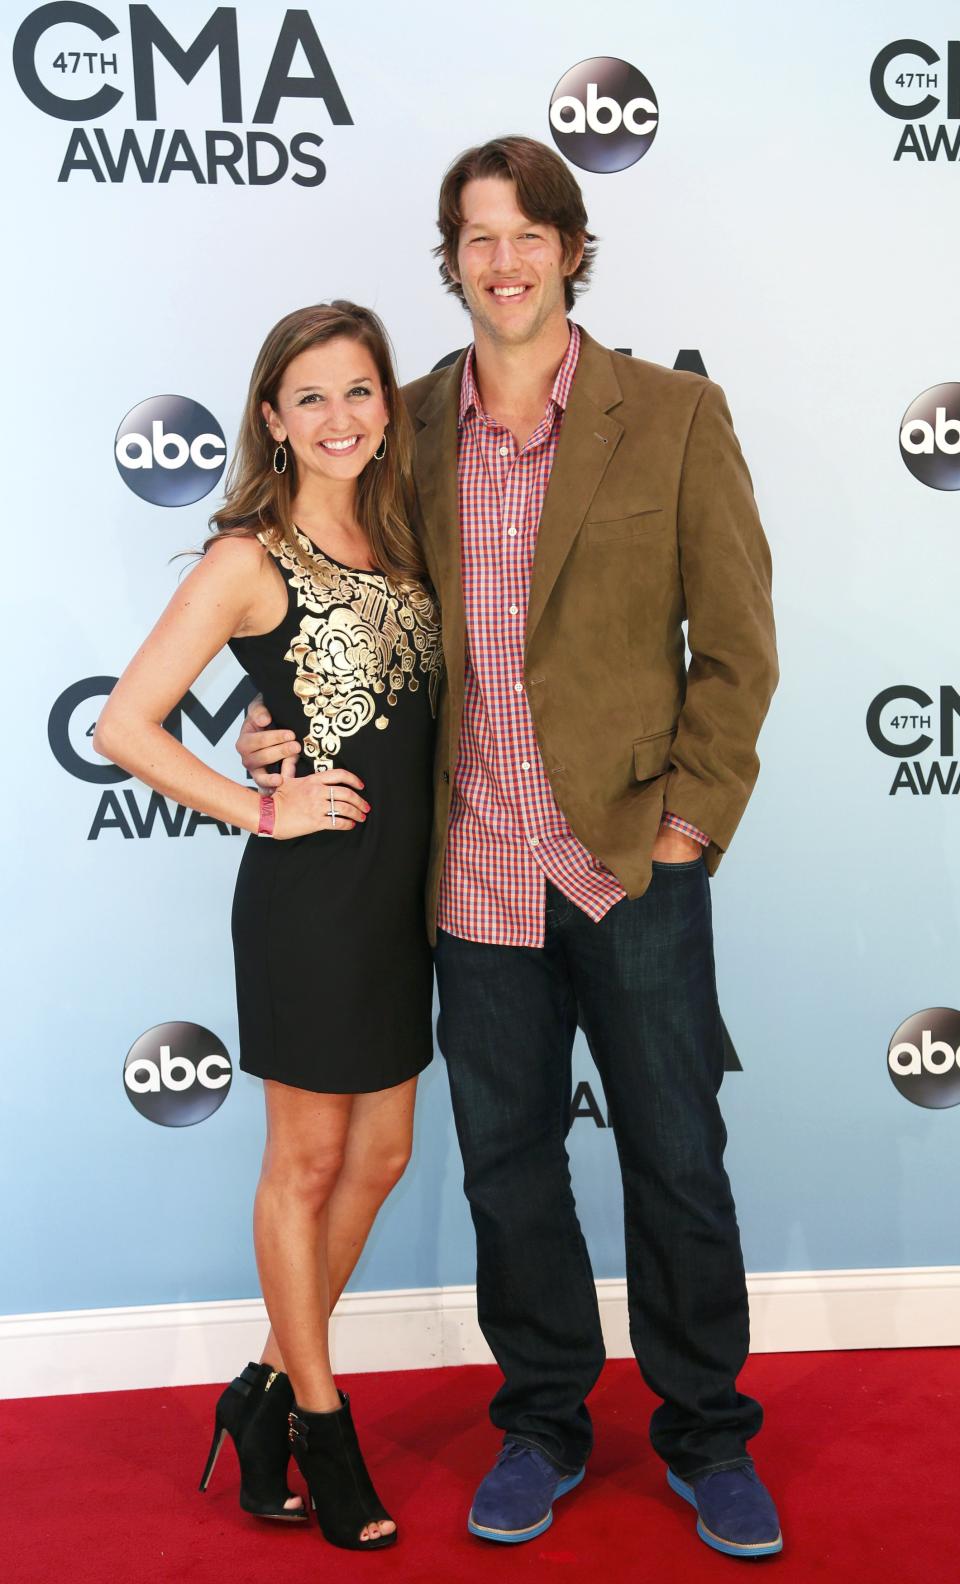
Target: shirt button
column 534, row 841
column 525, row 765
column 513, row 610
column 518, row 687
column 504, row 450
column 512, row 532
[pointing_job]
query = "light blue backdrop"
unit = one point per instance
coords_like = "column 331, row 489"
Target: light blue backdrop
column 769, row 227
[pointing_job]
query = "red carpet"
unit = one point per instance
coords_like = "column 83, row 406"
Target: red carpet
column 861, row 1451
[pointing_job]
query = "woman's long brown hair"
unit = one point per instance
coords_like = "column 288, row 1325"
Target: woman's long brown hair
column 258, row 498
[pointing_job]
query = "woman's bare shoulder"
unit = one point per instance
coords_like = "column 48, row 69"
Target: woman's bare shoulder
column 233, row 561
column 244, row 552
column 238, row 570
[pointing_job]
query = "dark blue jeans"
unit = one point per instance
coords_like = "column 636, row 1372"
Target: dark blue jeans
column 641, row 984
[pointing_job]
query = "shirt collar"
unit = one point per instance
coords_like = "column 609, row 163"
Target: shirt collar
column 559, row 395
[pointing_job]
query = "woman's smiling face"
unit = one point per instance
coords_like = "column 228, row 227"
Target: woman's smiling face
column 330, row 410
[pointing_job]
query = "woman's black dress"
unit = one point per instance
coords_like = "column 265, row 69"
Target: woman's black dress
column 334, row 973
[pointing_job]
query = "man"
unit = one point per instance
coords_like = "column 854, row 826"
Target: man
column 577, row 507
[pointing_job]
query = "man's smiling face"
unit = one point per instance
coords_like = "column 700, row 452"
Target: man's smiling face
column 511, row 268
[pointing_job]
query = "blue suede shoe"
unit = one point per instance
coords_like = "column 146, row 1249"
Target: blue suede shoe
column 735, row 1512
column 515, row 1501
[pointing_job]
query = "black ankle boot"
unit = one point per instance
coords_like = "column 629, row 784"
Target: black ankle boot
column 328, row 1455
column 253, row 1411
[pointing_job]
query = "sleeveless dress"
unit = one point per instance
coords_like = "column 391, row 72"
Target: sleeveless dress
column 334, row 971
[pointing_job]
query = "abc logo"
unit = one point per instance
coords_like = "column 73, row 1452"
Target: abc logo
column 603, row 114
column 924, row 1058
column 170, row 450
column 930, row 437
column 177, row 1074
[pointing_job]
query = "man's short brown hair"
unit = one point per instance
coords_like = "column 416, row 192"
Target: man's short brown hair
column 546, row 190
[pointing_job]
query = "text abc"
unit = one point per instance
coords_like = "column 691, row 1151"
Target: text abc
column 601, row 114
column 921, row 438
column 169, row 450
column 933, row 1056
column 176, row 1073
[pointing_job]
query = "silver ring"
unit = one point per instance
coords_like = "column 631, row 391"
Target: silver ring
column 333, row 810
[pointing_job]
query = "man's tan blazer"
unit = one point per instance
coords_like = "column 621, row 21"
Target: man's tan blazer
column 649, row 521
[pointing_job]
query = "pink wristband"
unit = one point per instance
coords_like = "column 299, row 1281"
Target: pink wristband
column 268, row 815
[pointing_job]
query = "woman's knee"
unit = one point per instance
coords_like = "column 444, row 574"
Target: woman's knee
column 379, row 1171
column 394, row 1165
column 310, row 1178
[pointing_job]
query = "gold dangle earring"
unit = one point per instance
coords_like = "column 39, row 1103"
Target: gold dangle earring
column 280, row 459
column 381, row 450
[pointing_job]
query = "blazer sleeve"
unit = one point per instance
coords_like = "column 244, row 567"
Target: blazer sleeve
column 726, row 574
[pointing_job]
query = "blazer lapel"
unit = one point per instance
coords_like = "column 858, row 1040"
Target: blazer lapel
column 588, row 439
column 435, row 471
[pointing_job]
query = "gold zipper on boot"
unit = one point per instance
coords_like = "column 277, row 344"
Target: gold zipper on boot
column 270, row 1379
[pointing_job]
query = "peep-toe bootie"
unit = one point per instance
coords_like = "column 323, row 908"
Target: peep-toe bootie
column 328, row 1455
column 253, row 1411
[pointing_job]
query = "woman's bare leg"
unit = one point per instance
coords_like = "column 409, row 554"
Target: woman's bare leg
column 329, row 1163
column 302, row 1159
column 377, row 1151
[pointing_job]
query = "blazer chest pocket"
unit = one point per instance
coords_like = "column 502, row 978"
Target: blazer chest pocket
column 633, row 527
column 651, row 755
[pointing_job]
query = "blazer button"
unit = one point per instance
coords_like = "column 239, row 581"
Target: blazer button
column 446, row 775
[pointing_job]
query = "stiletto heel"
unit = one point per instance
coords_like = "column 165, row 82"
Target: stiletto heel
column 328, row 1455
column 253, row 1412
column 219, row 1431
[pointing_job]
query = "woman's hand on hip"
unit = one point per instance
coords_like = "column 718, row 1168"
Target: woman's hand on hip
column 329, row 800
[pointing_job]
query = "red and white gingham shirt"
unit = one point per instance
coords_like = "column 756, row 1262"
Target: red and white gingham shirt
column 507, row 837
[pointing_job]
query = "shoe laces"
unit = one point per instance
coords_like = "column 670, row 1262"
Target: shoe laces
column 515, row 1451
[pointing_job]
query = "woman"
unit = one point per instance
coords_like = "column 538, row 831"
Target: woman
column 315, row 580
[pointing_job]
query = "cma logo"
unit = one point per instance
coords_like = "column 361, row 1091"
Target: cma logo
column 170, row 451
column 603, row 114
column 903, row 78
column 900, row 722
column 71, row 77
column 923, row 1058
column 930, row 437
column 177, row 1074
column 70, row 728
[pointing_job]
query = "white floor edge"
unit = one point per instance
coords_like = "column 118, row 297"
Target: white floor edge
column 89, row 1350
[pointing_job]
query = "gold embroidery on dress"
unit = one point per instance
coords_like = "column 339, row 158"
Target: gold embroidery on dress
column 360, row 639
